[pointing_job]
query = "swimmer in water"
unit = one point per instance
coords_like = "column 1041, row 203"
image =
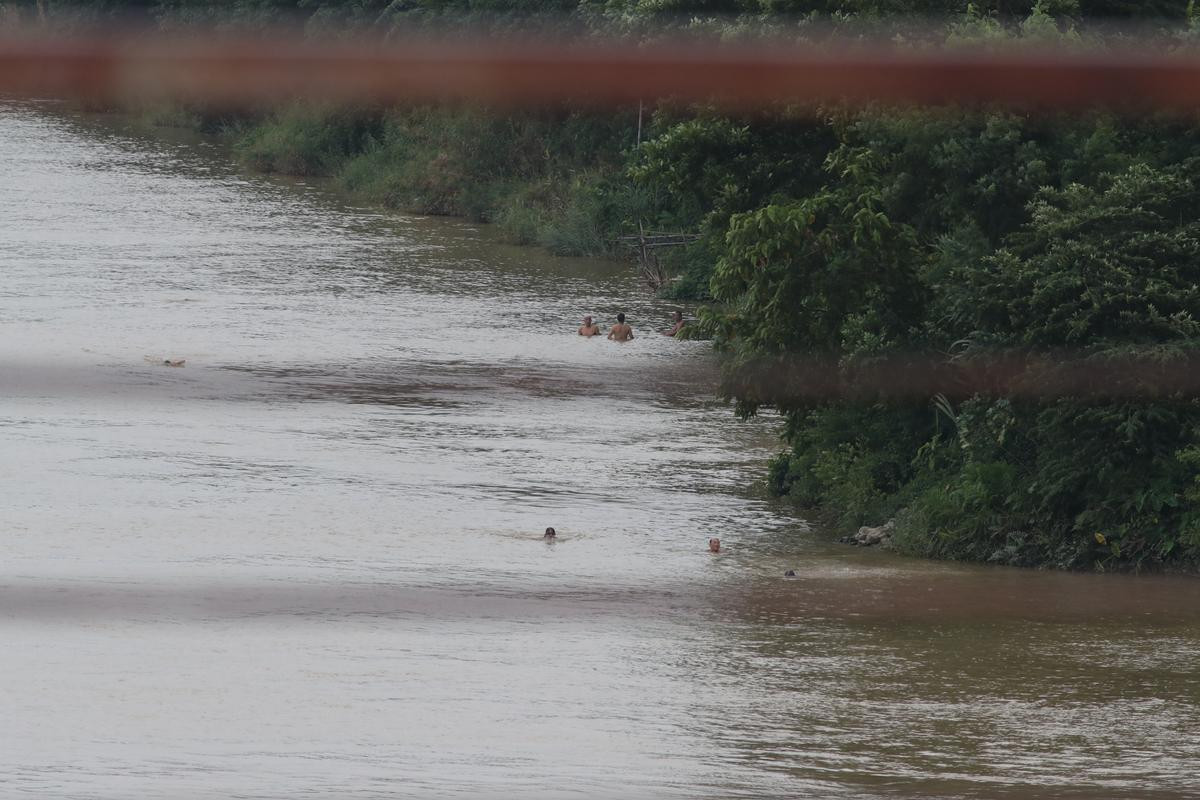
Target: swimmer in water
column 714, row 545
column 620, row 332
column 676, row 324
column 589, row 328
column 549, row 534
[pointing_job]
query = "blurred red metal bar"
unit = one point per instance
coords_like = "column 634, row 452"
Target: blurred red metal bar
column 919, row 376
column 502, row 72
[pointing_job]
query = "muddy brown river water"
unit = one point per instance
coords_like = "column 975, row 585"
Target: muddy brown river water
column 308, row 564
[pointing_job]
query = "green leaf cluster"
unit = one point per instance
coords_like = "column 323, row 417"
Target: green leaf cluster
column 1070, row 243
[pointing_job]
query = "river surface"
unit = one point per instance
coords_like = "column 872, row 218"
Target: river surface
column 308, row 563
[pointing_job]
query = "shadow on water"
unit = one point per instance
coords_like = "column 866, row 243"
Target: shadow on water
column 450, row 383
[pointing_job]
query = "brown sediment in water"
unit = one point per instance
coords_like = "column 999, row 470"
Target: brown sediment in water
column 926, row 592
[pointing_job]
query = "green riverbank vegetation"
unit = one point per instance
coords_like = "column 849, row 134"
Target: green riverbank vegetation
column 856, row 237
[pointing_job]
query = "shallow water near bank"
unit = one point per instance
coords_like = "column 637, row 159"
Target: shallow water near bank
column 309, row 561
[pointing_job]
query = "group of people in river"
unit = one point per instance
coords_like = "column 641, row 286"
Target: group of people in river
column 622, row 331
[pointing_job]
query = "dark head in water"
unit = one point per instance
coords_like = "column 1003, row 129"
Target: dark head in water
column 550, row 534
column 791, row 573
column 714, row 545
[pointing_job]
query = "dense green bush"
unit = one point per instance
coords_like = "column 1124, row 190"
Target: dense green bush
column 1103, row 276
column 307, row 140
column 554, row 177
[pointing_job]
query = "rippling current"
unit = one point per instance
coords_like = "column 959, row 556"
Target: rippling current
column 308, row 562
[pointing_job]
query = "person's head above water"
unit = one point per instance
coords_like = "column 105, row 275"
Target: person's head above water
column 679, row 316
column 621, row 317
column 550, row 534
column 587, row 321
column 714, row 545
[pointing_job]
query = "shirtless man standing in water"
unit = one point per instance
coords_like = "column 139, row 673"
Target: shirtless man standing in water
column 589, row 328
column 620, row 332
